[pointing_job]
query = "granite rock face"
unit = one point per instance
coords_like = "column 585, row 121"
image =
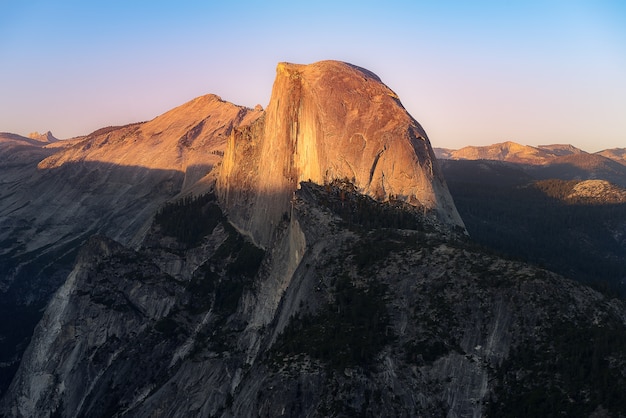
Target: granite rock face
column 326, row 121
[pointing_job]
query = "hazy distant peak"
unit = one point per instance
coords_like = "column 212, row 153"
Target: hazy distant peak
column 503, row 151
column 510, row 151
column 615, row 154
column 47, row 137
column 561, row 149
column 443, row 153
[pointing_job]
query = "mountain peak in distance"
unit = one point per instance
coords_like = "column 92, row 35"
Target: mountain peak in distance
column 46, row 137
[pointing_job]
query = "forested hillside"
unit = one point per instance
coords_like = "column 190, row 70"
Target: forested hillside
column 545, row 222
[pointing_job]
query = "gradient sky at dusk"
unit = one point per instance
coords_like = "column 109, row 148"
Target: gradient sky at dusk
column 471, row 72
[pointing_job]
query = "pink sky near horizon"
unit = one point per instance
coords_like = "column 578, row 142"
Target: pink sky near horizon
column 533, row 72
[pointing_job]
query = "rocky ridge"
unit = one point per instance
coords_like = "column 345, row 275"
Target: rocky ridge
column 559, row 161
column 517, row 153
column 113, row 180
column 506, row 151
column 110, row 182
column 616, row 154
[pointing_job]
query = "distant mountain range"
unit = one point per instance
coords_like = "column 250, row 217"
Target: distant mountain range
column 517, row 153
column 560, row 161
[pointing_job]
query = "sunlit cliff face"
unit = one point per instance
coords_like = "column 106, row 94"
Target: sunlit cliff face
column 329, row 120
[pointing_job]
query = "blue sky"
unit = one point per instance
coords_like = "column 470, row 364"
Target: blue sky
column 471, row 72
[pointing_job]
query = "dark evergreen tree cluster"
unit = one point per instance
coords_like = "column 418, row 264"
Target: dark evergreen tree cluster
column 189, row 219
column 571, row 373
column 378, row 244
column 361, row 212
column 351, row 330
column 555, row 188
column 220, row 282
column 532, row 222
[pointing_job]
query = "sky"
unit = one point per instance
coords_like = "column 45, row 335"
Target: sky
column 471, row 72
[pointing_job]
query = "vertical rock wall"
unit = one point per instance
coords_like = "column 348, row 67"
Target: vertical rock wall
column 325, row 121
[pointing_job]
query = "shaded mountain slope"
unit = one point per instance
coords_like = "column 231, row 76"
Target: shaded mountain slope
column 111, row 182
column 373, row 321
column 565, row 211
column 616, row 154
column 19, row 152
column 582, row 167
column 574, row 227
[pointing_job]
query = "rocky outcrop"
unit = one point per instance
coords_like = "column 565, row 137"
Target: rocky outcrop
column 45, row 138
column 325, row 121
column 597, row 191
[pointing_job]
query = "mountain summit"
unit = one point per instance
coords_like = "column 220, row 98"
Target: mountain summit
column 329, row 121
